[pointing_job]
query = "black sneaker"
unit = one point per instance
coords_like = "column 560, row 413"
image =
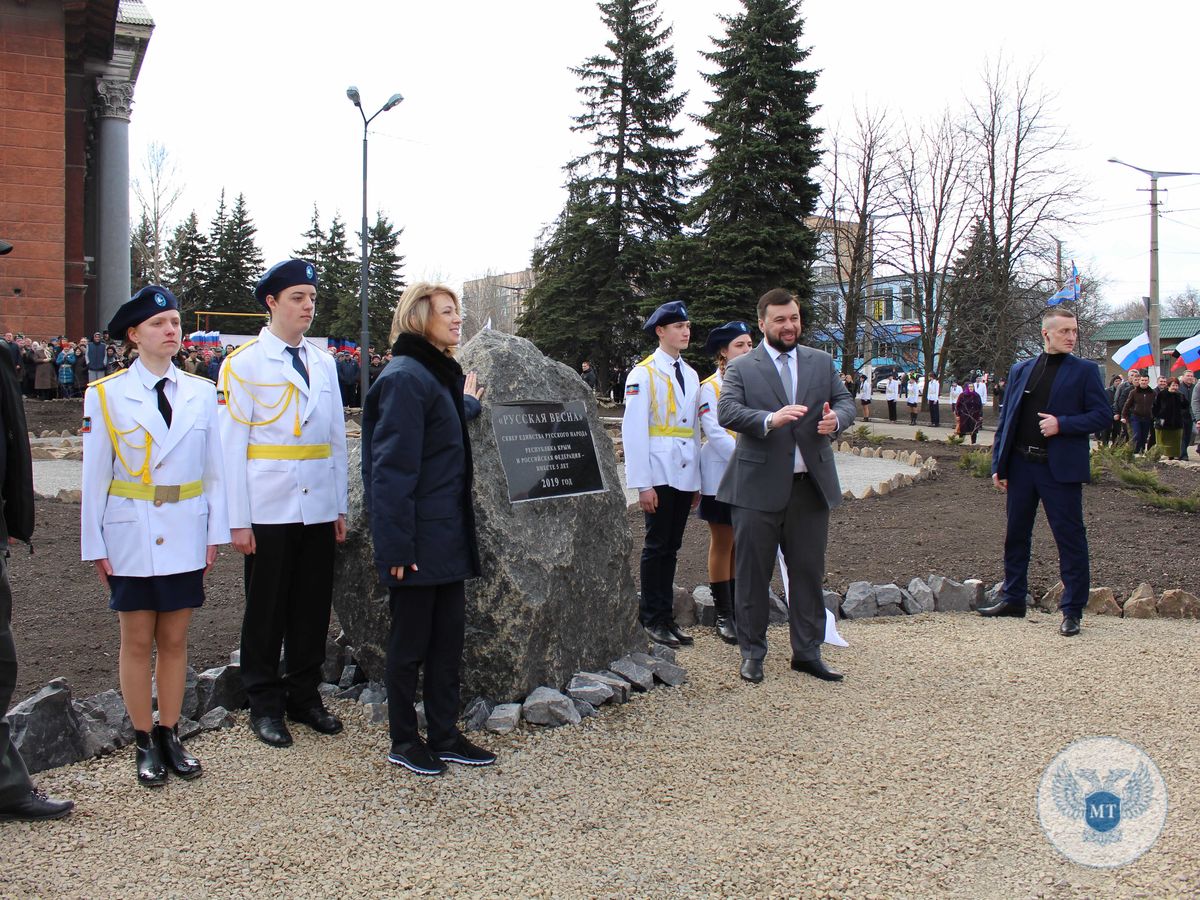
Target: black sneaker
column 465, row 753
column 415, row 757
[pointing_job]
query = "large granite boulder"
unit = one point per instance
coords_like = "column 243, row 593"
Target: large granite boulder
column 556, row 596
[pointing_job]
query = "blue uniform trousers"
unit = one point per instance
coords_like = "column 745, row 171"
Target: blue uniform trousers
column 1028, row 483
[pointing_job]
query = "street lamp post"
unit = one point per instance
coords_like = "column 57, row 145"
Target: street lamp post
column 364, row 360
column 1153, row 311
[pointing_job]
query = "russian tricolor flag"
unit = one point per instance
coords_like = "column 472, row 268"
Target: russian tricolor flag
column 1189, row 352
column 1136, row 354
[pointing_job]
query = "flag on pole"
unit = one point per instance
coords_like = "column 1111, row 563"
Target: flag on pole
column 1136, row 354
column 1070, row 292
column 1189, row 353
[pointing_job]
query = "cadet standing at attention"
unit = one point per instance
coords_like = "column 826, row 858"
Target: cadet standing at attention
column 661, row 438
column 284, row 439
column 152, row 515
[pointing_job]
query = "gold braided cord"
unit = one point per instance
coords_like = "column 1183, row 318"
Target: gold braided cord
column 716, row 386
column 648, row 365
column 243, row 418
column 118, row 437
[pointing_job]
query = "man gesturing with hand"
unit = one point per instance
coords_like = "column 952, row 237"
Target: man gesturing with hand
column 785, row 401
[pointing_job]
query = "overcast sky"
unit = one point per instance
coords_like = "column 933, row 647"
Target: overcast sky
column 250, row 96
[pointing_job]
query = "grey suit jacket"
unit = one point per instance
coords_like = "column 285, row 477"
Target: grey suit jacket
column 759, row 475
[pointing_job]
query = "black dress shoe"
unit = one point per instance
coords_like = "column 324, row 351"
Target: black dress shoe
column 464, row 753
column 36, row 806
column 150, row 769
column 661, row 634
column 751, row 670
column 685, row 639
column 176, row 758
column 1003, row 608
column 271, row 730
column 415, row 756
column 1069, row 626
column 816, row 668
column 726, row 630
column 318, row 718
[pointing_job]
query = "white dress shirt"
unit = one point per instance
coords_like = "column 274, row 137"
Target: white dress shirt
column 776, row 356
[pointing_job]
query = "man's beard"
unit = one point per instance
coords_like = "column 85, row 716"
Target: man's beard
column 779, row 344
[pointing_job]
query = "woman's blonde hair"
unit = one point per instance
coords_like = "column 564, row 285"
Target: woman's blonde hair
column 412, row 312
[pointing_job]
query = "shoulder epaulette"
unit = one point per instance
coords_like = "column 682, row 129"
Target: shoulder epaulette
column 238, row 349
column 711, row 379
column 203, row 378
column 115, row 374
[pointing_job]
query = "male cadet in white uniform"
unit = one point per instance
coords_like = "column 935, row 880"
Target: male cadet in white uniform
column 284, row 439
column 661, row 438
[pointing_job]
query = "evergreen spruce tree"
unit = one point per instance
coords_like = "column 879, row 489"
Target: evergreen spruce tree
column 973, row 297
column 755, row 189
column 139, row 257
column 384, row 267
column 600, row 266
column 338, row 269
column 187, row 264
column 236, row 263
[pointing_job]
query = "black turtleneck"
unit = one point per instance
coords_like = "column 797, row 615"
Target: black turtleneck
column 1035, row 399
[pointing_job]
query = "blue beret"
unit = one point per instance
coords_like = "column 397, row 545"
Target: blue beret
column 284, row 275
column 145, row 304
column 721, row 336
column 667, row 314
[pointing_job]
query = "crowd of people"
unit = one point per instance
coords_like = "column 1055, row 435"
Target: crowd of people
column 1143, row 416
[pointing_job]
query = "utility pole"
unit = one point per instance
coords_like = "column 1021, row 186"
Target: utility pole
column 1058, row 266
column 1153, row 311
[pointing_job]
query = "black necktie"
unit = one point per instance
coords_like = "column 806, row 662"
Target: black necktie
column 164, row 406
column 298, row 363
column 679, row 377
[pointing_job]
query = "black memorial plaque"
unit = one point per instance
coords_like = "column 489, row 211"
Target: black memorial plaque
column 546, row 450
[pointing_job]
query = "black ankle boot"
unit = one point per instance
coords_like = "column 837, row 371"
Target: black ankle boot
column 150, row 769
column 179, row 760
column 722, row 592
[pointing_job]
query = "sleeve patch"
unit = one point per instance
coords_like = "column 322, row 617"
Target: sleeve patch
column 633, row 390
column 705, row 408
column 220, row 398
column 87, row 425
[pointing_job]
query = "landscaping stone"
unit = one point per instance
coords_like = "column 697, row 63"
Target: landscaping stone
column 215, row 719
column 546, row 706
column 1140, row 608
column 476, row 714
column 221, row 686
column 48, row 730
column 860, row 601
column 1142, row 592
column 637, row 675
column 705, row 612
column 1101, row 602
column 1177, row 604
column 921, row 597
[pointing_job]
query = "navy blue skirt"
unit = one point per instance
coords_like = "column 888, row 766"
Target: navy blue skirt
column 714, row 511
column 158, row 593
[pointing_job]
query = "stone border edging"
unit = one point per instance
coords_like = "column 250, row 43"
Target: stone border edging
column 927, row 468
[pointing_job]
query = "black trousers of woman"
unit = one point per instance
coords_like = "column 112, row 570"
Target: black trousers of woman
column 428, row 624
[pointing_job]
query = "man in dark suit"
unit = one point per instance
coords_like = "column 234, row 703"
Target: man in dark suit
column 1041, row 453
column 785, row 401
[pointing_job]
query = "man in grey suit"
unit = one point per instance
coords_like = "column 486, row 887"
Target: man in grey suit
column 785, row 401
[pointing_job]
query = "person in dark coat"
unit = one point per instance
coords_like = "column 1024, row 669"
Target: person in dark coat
column 1170, row 409
column 968, row 409
column 19, row 799
column 417, row 472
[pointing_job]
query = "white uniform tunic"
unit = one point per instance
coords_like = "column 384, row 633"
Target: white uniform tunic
column 914, row 393
column 955, row 392
column 719, row 442
column 284, row 441
column 981, row 390
column 659, row 432
column 891, row 390
column 933, row 390
column 864, row 391
column 126, row 439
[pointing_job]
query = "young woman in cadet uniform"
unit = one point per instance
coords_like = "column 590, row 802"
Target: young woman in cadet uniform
column 153, row 513
column 727, row 342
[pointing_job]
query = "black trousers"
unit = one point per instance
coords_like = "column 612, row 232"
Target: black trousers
column 14, row 777
column 428, row 624
column 891, row 410
column 289, row 592
column 935, row 414
column 664, row 537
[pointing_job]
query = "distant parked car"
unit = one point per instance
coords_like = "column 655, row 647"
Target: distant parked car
column 882, row 374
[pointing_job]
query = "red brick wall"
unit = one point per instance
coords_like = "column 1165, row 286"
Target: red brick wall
column 33, row 168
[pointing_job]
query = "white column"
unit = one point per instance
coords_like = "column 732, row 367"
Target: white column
column 114, row 99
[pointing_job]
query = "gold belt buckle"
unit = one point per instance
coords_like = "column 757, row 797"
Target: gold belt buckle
column 166, row 493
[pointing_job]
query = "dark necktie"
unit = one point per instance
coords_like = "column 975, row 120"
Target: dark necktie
column 164, row 406
column 679, row 377
column 298, row 363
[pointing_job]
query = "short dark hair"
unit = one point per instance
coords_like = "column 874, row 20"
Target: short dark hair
column 1056, row 312
column 775, row 297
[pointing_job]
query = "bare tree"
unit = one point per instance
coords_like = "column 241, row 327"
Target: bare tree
column 859, row 167
column 1131, row 309
column 1185, row 304
column 157, row 192
column 934, row 205
column 1024, row 193
column 494, row 298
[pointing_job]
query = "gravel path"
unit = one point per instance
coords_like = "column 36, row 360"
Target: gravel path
column 916, row 777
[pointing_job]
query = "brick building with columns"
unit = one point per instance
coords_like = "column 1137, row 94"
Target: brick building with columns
column 67, row 74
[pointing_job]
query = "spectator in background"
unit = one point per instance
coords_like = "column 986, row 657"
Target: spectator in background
column 14, row 350
column 933, row 391
column 212, row 365
column 112, row 362
column 29, row 362
column 65, row 361
column 97, row 358
column 348, row 374
column 1170, row 409
column 913, row 400
column 955, row 391
column 588, row 375
column 891, row 393
column 864, row 396
column 81, row 367
column 1138, row 412
column 968, row 410
column 375, row 368
column 1122, row 395
column 1112, row 433
column 1187, row 387
column 44, row 377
